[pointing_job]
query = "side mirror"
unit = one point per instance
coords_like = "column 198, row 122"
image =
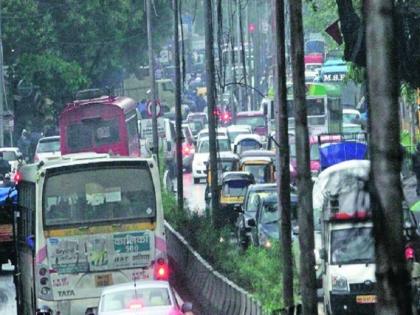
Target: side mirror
column 186, row 307
column 251, row 222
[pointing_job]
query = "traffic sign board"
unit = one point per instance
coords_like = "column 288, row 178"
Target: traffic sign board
column 150, row 109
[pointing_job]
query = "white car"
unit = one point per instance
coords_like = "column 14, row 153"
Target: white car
column 220, row 132
column 142, row 297
column 12, row 155
column 236, row 130
column 351, row 116
column 201, row 156
column 47, row 147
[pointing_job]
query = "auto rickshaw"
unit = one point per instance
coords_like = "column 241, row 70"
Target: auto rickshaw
column 227, row 162
column 261, row 167
column 232, row 193
column 247, row 142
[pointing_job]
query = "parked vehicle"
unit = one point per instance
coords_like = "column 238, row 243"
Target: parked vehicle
column 232, row 193
column 257, row 120
column 47, row 147
column 345, row 233
column 262, row 168
column 201, row 156
column 89, row 221
column 226, row 162
column 100, row 123
column 247, row 142
column 141, row 297
column 351, row 116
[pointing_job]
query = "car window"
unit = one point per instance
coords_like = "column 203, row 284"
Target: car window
column 52, row 145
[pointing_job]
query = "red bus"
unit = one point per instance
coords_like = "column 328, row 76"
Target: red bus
column 104, row 124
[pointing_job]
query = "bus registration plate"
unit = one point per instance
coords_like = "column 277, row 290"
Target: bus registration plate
column 103, row 280
column 365, row 299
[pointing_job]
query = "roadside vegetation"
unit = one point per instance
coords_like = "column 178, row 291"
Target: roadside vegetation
column 257, row 270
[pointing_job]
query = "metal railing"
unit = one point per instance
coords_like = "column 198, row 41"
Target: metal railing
column 211, row 292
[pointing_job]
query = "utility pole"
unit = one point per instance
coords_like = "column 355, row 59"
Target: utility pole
column 304, row 181
column 242, row 50
column 211, row 100
column 1, row 84
column 283, row 155
column 178, row 113
column 232, row 63
column 393, row 280
column 152, row 80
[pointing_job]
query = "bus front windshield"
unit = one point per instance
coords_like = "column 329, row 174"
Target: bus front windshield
column 352, row 246
column 98, row 195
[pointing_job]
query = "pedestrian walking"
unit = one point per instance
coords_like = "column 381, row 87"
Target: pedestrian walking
column 416, row 167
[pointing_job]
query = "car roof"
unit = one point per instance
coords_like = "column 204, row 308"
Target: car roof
column 256, row 158
column 138, row 285
column 250, row 113
column 49, row 138
column 9, row 149
column 262, row 187
column 250, row 136
column 237, row 175
column 206, row 138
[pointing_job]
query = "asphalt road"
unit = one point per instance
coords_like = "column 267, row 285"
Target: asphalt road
column 193, row 193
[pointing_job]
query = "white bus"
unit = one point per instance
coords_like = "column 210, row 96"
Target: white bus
column 87, row 221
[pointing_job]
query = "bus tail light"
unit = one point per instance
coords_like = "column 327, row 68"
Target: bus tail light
column 44, row 283
column 161, row 270
column 17, row 178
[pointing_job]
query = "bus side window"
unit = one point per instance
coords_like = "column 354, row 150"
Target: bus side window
column 26, row 203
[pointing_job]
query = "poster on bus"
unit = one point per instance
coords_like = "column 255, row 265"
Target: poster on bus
column 100, row 252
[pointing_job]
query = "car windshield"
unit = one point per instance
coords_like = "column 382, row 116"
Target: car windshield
column 9, row 155
column 195, row 126
column 226, row 166
column 248, row 144
column 222, row 146
column 259, row 172
column 51, row 145
column 269, row 213
column 98, row 195
column 253, row 121
column 352, row 245
column 235, row 188
column 135, row 298
column 254, row 197
column 349, row 118
column 234, row 134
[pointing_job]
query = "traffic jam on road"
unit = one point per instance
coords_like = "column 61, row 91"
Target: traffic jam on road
column 209, row 157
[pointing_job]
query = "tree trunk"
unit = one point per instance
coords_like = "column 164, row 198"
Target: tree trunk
column 393, row 279
column 304, row 181
column 178, row 116
column 211, row 100
column 283, row 170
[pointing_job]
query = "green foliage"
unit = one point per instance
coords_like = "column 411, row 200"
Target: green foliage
column 64, row 46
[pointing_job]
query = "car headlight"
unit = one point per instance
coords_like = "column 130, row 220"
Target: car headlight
column 339, row 284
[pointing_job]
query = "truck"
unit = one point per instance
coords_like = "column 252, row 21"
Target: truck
column 344, row 238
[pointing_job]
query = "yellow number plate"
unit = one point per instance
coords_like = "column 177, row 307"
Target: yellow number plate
column 365, row 299
column 103, row 280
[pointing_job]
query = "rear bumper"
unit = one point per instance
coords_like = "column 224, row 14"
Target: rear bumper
column 345, row 304
column 69, row 307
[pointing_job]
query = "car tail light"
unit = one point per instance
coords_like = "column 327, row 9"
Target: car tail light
column 17, row 178
column 409, row 253
column 161, row 270
column 186, row 149
column 135, row 304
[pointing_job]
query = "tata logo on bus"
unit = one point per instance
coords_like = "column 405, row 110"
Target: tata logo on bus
column 66, row 293
column 333, row 77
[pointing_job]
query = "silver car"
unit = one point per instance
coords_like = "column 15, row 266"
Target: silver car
column 141, row 297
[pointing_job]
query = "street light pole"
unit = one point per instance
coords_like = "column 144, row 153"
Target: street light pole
column 1, row 85
column 152, row 80
column 178, row 116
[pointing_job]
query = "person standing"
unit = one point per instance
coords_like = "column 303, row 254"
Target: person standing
column 24, row 143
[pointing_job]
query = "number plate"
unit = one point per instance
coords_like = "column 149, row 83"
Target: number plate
column 365, row 299
column 103, row 280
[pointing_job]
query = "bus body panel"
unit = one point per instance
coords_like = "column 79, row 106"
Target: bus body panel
column 68, row 267
column 103, row 125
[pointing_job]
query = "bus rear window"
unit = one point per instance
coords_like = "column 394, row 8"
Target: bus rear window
column 90, row 133
column 98, row 195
